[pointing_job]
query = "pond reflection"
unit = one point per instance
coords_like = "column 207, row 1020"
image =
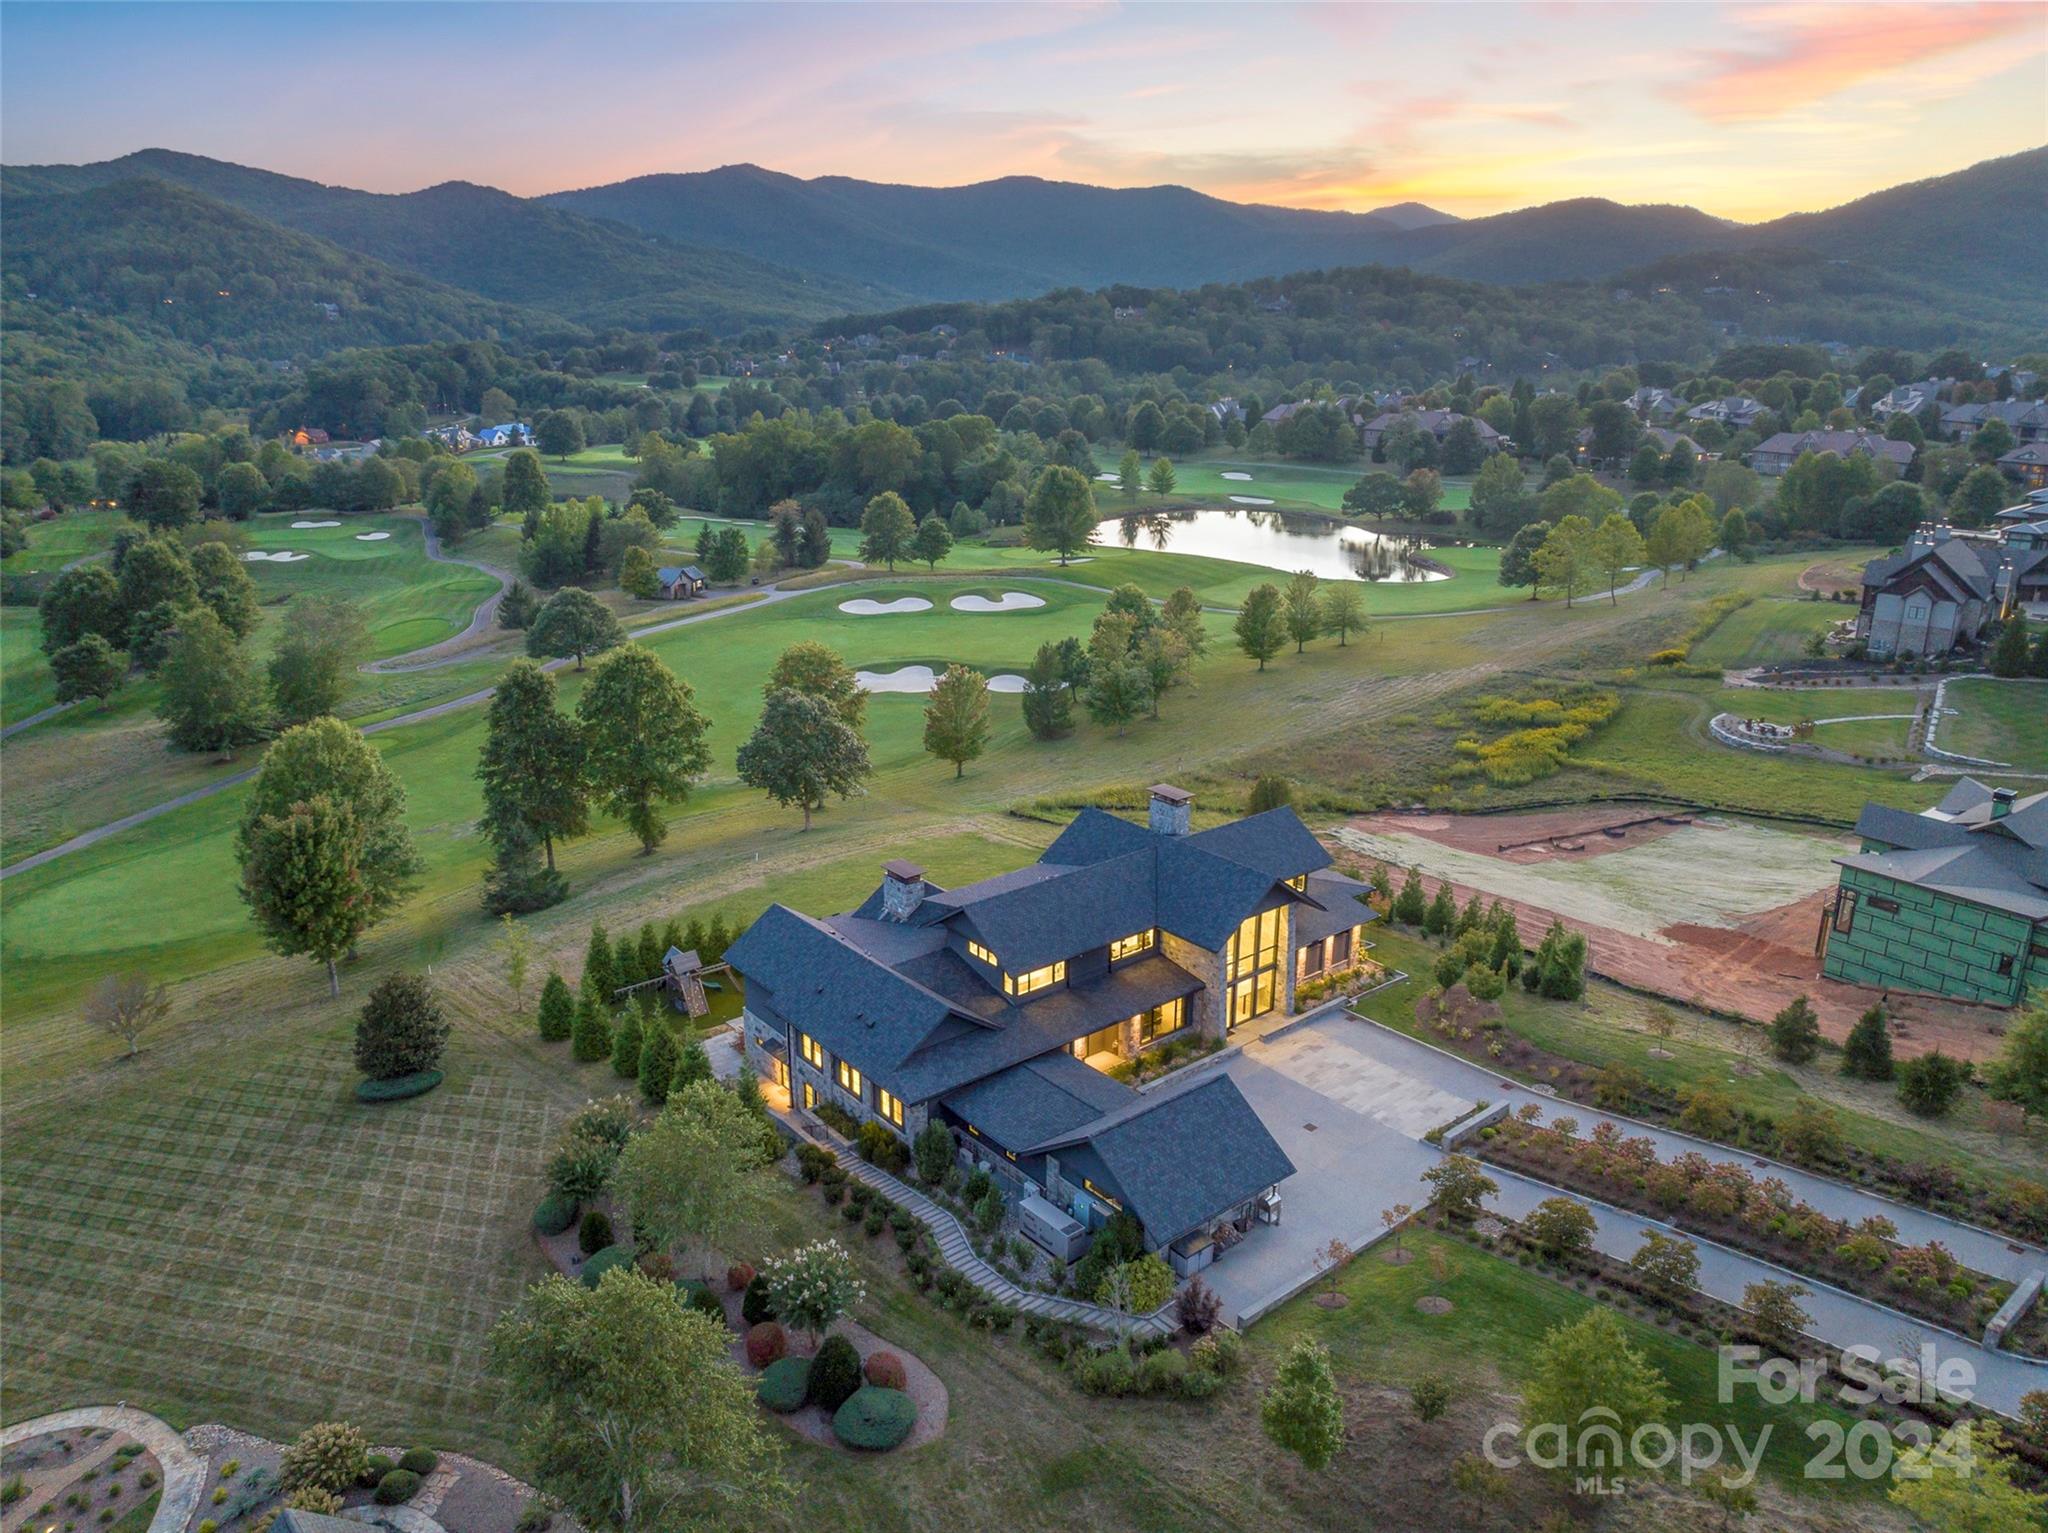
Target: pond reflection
column 1277, row 540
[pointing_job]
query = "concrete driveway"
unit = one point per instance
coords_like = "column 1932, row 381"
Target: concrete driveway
column 1352, row 1123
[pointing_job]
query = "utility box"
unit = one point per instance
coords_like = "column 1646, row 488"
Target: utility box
column 1052, row 1228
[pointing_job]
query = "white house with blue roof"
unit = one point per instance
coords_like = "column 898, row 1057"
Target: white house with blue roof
column 998, row 1008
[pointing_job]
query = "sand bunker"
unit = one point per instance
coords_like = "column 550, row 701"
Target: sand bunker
column 1109, row 478
column 1010, row 601
column 371, row 537
column 864, row 606
column 1251, row 500
column 308, row 526
column 920, row 679
column 258, row 556
column 1233, row 474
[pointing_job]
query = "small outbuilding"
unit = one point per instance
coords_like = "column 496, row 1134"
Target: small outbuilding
column 680, row 581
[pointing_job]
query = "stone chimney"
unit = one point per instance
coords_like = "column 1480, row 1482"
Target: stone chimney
column 903, row 889
column 2001, row 802
column 1171, row 809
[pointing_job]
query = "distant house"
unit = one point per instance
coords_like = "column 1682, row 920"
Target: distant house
column 1951, row 901
column 1909, row 398
column 2027, row 419
column 2028, row 464
column 309, row 436
column 1658, row 406
column 1226, row 410
column 456, row 438
column 1663, row 438
column 945, row 330
column 1437, row 423
column 1738, row 412
column 679, row 581
column 1776, row 454
column 1131, row 311
column 511, row 434
column 2023, row 577
column 1934, row 594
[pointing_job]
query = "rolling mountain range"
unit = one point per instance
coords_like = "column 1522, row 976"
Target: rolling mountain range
column 742, row 246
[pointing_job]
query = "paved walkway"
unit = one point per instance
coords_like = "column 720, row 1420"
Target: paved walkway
column 448, row 651
column 1349, row 1101
column 958, row 1252
column 184, row 1471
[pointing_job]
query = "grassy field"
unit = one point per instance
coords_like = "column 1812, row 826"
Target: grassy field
column 1287, row 484
column 26, row 685
column 1999, row 721
column 1770, row 630
column 1860, row 736
column 55, row 543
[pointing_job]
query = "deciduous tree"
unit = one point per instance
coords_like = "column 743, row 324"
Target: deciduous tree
column 886, row 530
column 1300, row 609
column 315, row 657
column 1060, row 516
column 573, row 622
column 1590, row 1363
column 934, row 541
column 1302, row 1412
column 302, row 878
column 816, row 670
column 89, row 668
column 211, row 698
column 127, row 1006
column 1261, row 627
column 956, row 718
column 532, row 762
column 643, row 740
column 802, row 752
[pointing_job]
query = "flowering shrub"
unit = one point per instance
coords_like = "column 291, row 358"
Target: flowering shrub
column 814, row 1285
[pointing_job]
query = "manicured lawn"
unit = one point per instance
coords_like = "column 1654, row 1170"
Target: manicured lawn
column 1770, row 630
column 1317, row 485
column 408, row 600
column 1500, row 1314
column 55, row 543
column 1998, row 720
column 1860, row 736
column 26, row 685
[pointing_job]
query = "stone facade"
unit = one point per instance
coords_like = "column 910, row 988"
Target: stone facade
column 1206, row 1016
column 1929, row 942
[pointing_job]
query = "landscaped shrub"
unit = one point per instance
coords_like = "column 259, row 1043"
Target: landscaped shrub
column 842, row 1122
column 398, row 1087
column 813, row 1159
column 555, row 1214
column 1198, row 1307
column 976, row 1187
column 375, row 1467
column 738, row 1276
column 607, row 1260
column 1220, row 1352
column 327, row 1456
column 1106, row 1373
column 402, row 1030
column 594, row 1233
column 398, row 1486
column 421, row 1461
column 1162, row 1373
column 706, row 1303
column 933, row 1148
column 755, row 1306
column 874, row 1418
column 885, row 1370
column 835, row 1373
column 879, row 1147
column 785, row 1385
column 767, row 1342
column 1930, row 1084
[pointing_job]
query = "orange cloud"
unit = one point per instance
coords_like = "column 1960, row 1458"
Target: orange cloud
column 1818, row 50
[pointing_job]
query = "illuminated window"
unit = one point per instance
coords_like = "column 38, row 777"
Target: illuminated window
column 810, row 1096
column 1134, row 944
column 1161, row 1020
column 849, row 1078
column 1298, row 883
column 976, row 950
column 1252, row 964
column 813, row 1051
column 1112, row 1202
column 1037, row 979
column 889, row 1105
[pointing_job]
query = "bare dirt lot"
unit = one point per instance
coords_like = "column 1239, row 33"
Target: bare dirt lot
column 1716, row 912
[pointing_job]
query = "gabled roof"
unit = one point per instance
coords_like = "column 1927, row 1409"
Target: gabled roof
column 1177, row 1161
column 1338, row 907
column 1953, row 566
column 1964, row 848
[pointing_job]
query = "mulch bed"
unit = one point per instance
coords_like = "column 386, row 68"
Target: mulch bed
column 53, row 1467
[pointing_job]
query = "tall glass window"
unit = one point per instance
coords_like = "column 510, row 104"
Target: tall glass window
column 1252, row 966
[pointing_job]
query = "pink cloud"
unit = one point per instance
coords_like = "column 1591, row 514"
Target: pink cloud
column 1813, row 51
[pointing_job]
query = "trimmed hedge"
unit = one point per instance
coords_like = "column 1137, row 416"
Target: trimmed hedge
column 420, row 1460
column 874, row 1418
column 766, row 1343
column 785, row 1385
column 701, row 1299
column 399, row 1087
column 399, row 1485
column 835, row 1373
column 885, row 1370
column 605, row 1260
column 375, row 1467
column 738, row 1276
column 754, row 1304
column 556, row 1213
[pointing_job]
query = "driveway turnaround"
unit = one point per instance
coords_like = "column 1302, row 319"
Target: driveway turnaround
column 1350, row 1101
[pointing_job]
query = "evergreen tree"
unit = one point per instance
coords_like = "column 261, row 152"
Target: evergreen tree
column 1048, row 700
column 1867, row 1051
column 1260, row 627
column 1409, row 905
column 692, row 1065
column 1795, row 1032
column 649, row 954
column 600, row 969
column 1302, row 1412
column 626, row 1047
column 657, row 1063
column 718, row 936
column 557, row 1009
column 518, row 881
column 592, row 1039
column 956, row 718
column 2009, row 652
column 1472, row 917
column 1442, row 915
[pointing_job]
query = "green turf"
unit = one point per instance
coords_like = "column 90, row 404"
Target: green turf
column 1999, row 721
column 26, row 685
column 1770, row 630
column 408, row 600
column 55, row 543
column 1877, row 738
column 1319, row 486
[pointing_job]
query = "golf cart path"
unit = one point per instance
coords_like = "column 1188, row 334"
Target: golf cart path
column 445, row 650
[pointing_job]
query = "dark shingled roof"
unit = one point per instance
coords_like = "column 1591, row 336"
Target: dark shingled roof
column 1039, row 1099
column 1178, row 1161
column 1963, row 850
column 1338, row 908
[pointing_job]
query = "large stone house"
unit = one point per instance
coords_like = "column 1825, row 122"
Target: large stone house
column 1736, row 411
column 2027, row 419
column 1952, row 901
column 1776, row 454
column 998, row 1009
column 1935, row 593
column 1437, row 423
column 2027, row 463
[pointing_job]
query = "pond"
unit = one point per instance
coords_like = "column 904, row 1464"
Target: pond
column 1277, row 540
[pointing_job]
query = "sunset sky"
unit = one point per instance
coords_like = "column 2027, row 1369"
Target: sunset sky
column 1744, row 110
